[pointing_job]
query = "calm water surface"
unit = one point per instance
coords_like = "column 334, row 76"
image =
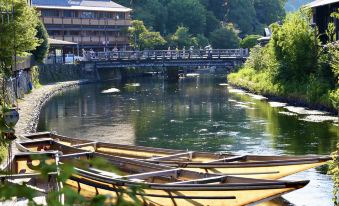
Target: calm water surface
column 194, row 114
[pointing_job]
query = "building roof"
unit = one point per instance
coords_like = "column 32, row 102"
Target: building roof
column 318, row 3
column 87, row 5
column 56, row 42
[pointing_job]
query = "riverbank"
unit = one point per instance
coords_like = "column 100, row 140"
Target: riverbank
column 293, row 99
column 31, row 104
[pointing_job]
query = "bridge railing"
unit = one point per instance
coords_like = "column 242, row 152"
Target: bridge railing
column 166, row 54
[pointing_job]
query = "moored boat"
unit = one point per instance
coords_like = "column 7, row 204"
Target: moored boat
column 159, row 184
column 23, row 169
column 251, row 166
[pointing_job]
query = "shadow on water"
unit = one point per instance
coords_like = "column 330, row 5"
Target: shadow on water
column 194, row 114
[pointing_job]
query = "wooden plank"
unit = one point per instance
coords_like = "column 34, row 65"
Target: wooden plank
column 24, row 176
column 228, row 159
column 85, row 144
column 202, row 180
column 75, row 155
column 146, row 175
column 168, row 157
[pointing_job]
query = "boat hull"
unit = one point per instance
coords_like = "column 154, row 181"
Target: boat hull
column 183, row 196
column 252, row 166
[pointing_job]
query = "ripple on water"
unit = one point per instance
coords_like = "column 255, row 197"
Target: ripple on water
column 133, row 85
column 243, row 106
column 109, row 91
column 233, row 134
column 176, row 121
column 203, row 130
column 236, row 91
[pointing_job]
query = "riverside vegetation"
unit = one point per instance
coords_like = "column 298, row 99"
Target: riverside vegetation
column 293, row 65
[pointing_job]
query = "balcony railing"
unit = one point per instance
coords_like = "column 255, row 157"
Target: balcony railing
column 82, row 21
column 92, row 39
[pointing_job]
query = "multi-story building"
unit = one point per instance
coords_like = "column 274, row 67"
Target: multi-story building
column 93, row 24
column 322, row 10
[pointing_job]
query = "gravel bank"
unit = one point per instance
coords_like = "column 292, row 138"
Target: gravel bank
column 31, row 104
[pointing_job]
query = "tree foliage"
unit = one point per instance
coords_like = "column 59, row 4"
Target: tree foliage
column 292, row 65
column 42, row 50
column 243, row 15
column 187, row 13
column 18, row 36
column 295, row 46
column 182, row 38
column 202, row 17
column 224, row 38
column 249, row 41
column 141, row 38
column 269, row 11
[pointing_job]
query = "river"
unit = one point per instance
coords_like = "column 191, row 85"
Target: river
column 198, row 113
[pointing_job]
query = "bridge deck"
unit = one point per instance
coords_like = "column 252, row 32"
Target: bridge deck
column 160, row 58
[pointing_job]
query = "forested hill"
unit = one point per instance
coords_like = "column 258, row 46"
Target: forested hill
column 210, row 19
column 293, row 5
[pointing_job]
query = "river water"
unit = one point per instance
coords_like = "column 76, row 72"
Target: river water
column 198, row 113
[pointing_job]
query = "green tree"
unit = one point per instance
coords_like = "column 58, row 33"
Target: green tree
column 249, row 41
column 151, row 40
column 224, row 38
column 295, row 46
column 243, row 15
column 218, row 7
column 201, row 40
column 212, row 23
column 182, row 38
column 153, row 13
column 42, row 50
column 188, row 13
column 142, row 38
column 18, row 36
column 269, row 11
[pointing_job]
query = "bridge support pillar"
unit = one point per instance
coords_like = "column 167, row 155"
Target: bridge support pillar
column 172, row 73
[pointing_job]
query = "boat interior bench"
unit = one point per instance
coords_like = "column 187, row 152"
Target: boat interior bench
column 172, row 173
column 172, row 156
column 141, row 176
column 229, row 159
column 207, row 180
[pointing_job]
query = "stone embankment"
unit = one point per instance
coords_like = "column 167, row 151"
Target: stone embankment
column 31, row 104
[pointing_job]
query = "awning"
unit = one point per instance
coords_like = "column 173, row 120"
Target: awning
column 57, row 42
column 318, row 3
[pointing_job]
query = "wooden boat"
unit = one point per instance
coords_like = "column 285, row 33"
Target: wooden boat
column 162, row 185
column 251, row 166
column 24, row 170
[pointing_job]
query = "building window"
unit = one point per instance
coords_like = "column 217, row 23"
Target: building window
column 69, row 14
column 54, row 33
column 87, row 15
column 120, row 15
column 50, row 13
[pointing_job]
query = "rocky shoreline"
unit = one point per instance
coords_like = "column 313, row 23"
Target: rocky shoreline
column 31, row 104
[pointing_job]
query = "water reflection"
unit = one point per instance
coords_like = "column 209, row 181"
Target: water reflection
column 194, row 114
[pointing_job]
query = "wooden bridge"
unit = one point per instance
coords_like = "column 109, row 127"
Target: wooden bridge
column 166, row 58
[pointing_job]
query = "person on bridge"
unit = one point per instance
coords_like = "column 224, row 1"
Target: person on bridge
column 183, row 52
